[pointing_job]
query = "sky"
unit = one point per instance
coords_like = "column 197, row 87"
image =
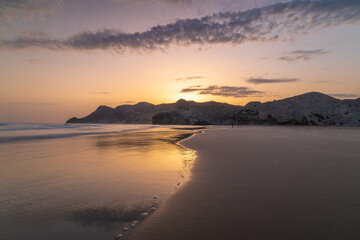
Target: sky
column 64, row 58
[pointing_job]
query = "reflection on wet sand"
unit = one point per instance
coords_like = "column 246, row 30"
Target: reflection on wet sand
column 153, row 139
column 106, row 219
column 88, row 187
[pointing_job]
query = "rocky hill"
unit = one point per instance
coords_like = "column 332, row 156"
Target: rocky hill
column 181, row 112
column 307, row 109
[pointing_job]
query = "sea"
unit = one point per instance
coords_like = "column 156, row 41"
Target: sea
column 86, row 181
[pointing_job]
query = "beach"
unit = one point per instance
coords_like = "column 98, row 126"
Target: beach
column 268, row 183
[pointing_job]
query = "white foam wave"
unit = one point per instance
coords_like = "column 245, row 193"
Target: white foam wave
column 30, row 132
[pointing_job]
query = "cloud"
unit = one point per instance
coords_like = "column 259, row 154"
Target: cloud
column 273, row 80
column 344, row 95
column 302, row 55
column 189, row 78
column 267, row 23
column 224, row 91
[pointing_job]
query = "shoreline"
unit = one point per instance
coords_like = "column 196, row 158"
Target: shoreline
column 88, row 186
column 127, row 229
column 271, row 183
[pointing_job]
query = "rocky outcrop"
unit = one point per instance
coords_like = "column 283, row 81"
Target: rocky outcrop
column 307, row 109
column 181, row 112
column 169, row 118
column 103, row 114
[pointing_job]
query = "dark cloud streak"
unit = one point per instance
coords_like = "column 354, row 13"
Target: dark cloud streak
column 224, row 91
column 189, row 78
column 267, row 80
column 304, row 55
column 259, row 24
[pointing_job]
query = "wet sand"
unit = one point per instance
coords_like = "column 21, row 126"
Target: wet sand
column 265, row 183
column 67, row 182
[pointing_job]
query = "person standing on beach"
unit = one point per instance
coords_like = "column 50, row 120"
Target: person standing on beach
column 233, row 119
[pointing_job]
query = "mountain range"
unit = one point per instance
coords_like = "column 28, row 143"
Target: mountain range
column 311, row 108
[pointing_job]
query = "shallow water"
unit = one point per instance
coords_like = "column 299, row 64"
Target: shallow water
column 85, row 181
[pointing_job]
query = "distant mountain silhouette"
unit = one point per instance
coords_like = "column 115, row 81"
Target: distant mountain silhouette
column 307, row 109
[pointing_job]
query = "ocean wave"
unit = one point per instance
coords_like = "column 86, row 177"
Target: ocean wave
column 27, row 127
column 7, row 124
column 50, row 136
column 48, row 133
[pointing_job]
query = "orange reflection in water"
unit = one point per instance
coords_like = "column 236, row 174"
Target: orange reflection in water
column 48, row 180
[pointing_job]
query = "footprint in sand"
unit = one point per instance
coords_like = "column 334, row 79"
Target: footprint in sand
column 120, row 235
column 133, row 224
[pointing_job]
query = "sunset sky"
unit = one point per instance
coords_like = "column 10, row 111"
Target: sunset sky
column 63, row 58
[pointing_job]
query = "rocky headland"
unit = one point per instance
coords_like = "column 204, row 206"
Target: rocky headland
column 312, row 108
